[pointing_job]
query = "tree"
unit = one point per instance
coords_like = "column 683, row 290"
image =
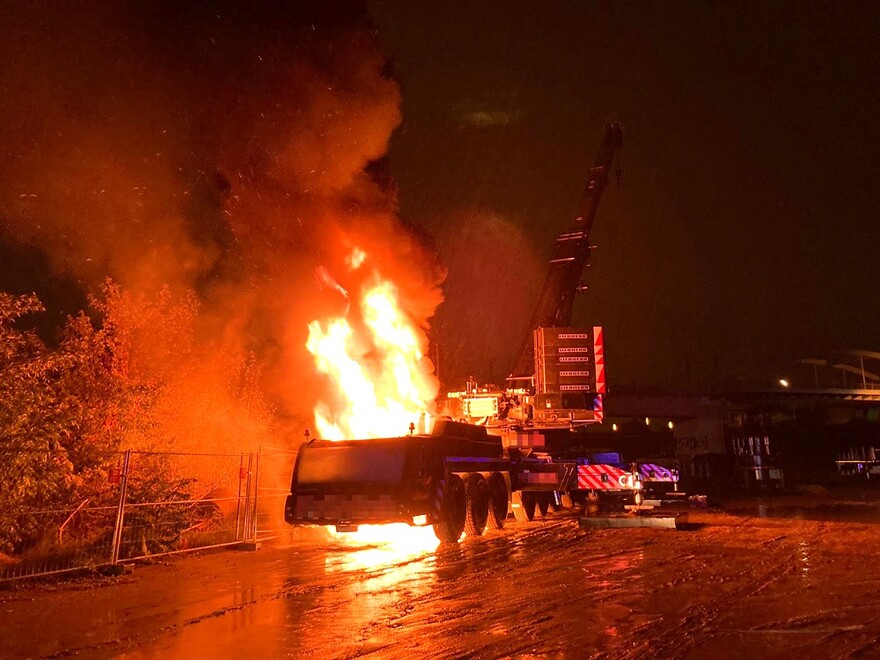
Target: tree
column 132, row 377
column 36, row 423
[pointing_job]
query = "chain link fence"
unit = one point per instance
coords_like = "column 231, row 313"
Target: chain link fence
column 275, row 467
column 155, row 503
column 55, row 540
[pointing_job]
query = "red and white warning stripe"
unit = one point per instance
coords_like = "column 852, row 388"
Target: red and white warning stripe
column 604, row 477
column 654, row 472
column 599, row 357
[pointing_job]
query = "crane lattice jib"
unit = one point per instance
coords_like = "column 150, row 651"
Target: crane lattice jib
column 570, row 256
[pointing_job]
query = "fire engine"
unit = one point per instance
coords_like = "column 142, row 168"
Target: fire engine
column 493, row 450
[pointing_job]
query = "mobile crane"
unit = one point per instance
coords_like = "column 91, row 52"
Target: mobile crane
column 493, row 449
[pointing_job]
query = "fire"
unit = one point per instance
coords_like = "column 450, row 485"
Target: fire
column 377, row 548
column 393, row 542
column 374, row 357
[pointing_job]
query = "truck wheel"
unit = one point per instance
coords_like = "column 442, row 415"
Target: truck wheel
column 525, row 512
column 452, row 511
column 543, row 502
column 497, row 501
column 477, row 509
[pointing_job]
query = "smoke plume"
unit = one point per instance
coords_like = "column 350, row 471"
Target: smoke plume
column 221, row 148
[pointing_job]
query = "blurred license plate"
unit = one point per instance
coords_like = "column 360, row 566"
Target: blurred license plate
column 346, row 527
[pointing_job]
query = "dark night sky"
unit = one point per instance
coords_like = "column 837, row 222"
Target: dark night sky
column 745, row 233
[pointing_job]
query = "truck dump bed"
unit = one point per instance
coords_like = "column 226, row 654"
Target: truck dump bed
column 378, row 480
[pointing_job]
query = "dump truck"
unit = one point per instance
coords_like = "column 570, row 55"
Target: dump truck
column 459, row 478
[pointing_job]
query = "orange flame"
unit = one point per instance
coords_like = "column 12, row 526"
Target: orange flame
column 374, row 357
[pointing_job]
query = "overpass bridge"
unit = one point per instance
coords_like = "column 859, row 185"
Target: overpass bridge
column 847, row 379
column 678, row 406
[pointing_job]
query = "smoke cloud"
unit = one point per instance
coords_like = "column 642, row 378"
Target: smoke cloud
column 493, row 268
column 221, row 148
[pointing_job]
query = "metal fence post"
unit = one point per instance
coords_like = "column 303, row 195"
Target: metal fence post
column 256, row 496
column 246, row 521
column 238, row 500
column 120, row 509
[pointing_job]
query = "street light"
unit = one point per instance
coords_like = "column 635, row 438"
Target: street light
column 784, row 382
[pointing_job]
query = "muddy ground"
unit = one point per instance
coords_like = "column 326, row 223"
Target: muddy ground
column 780, row 578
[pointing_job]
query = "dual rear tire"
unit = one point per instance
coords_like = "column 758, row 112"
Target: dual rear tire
column 543, row 501
column 477, row 509
column 453, row 510
column 524, row 505
column 531, row 504
column 470, row 506
column 498, row 498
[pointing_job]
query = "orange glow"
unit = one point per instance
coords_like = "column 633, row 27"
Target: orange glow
column 405, row 539
column 374, row 358
column 374, row 546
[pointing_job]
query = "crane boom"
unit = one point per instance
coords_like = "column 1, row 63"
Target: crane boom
column 570, row 256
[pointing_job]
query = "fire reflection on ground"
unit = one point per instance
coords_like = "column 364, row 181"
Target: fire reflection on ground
column 607, row 575
column 383, row 551
column 384, row 567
